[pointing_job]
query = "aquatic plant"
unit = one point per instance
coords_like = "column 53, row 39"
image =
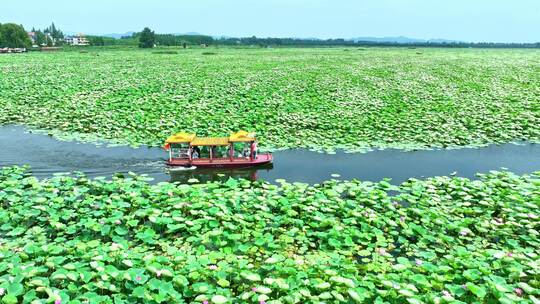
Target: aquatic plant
column 69, row 239
column 322, row 99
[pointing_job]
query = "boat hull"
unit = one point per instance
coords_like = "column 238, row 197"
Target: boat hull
column 262, row 159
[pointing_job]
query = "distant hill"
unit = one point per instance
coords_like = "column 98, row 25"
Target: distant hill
column 401, row 39
column 118, row 36
column 444, row 41
column 189, row 34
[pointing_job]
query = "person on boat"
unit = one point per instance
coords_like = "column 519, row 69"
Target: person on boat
column 196, row 152
column 254, row 149
column 183, row 153
column 246, row 152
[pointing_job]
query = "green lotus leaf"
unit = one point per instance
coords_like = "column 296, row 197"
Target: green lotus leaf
column 219, row 299
column 254, row 277
column 414, row 301
column 10, row 299
column 325, row 296
column 355, row 296
column 323, row 285
column 477, row 290
column 345, row 281
column 17, row 231
column 263, row 290
column 527, row 288
column 139, row 292
column 420, row 280
column 406, row 292
column 472, row 274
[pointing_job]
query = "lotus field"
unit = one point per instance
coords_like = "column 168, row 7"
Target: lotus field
column 322, row 99
column 69, row 239
column 442, row 240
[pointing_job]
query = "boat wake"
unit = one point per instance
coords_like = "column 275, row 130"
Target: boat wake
column 179, row 169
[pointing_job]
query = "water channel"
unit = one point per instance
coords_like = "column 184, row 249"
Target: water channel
column 47, row 155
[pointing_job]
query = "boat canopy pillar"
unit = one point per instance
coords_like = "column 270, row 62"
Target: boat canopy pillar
column 190, row 153
column 251, row 151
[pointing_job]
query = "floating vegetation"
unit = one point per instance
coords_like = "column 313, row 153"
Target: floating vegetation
column 321, row 99
column 165, row 52
column 69, row 239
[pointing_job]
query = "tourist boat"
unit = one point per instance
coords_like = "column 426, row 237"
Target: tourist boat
column 239, row 150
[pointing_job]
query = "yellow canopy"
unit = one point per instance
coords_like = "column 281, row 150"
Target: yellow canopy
column 242, row 136
column 191, row 138
column 210, row 141
column 180, row 138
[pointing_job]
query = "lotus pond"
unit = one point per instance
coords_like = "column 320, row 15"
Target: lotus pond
column 79, row 240
column 322, row 99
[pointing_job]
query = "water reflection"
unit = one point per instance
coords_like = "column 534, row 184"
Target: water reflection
column 210, row 175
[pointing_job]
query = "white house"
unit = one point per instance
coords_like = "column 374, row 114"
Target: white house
column 76, row 40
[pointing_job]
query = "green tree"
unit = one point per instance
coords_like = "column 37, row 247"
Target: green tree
column 54, row 32
column 41, row 39
column 147, row 38
column 49, row 40
column 14, row 36
column 101, row 40
column 1, row 37
column 96, row 40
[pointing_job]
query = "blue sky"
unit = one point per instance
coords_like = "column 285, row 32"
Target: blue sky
column 468, row 20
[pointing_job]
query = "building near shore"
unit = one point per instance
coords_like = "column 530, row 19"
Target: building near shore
column 48, row 39
column 33, row 38
column 78, row 40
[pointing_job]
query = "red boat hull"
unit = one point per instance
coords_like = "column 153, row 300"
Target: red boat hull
column 262, row 159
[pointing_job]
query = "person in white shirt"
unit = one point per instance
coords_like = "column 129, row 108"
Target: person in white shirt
column 194, row 153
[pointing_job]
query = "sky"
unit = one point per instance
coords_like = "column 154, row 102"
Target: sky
column 464, row 20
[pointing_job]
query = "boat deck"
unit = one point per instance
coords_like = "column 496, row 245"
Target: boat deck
column 263, row 158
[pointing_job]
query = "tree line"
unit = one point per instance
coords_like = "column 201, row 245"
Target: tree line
column 148, row 38
column 15, row 36
column 298, row 42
